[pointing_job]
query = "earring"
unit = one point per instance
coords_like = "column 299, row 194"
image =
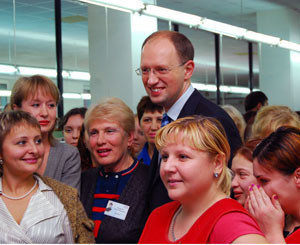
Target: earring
column 1, row 161
column 216, row 175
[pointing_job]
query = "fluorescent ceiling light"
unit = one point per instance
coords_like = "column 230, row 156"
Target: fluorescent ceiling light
column 223, row 88
column 26, row 71
column 128, row 5
column 7, row 69
column 71, row 96
column 172, row 15
column 79, row 75
column 222, row 28
column 5, row 93
column 289, row 45
column 259, row 37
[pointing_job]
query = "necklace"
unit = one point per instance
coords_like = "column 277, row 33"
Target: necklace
column 21, row 197
column 173, row 224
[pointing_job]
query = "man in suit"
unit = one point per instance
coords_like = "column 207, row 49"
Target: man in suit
column 166, row 68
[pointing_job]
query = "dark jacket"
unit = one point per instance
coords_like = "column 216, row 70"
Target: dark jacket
column 157, row 194
column 113, row 230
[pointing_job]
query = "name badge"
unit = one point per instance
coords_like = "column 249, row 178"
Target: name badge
column 116, row 210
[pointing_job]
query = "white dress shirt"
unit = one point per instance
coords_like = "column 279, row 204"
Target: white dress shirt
column 45, row 220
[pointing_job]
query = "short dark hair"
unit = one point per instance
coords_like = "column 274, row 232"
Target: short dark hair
column 75, row 111
column 280, row 150
column 252, row 100
column 146, row 104
column 182, row 44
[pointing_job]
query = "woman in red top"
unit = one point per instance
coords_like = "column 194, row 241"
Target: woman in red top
column 194, row 152
column 277, row 168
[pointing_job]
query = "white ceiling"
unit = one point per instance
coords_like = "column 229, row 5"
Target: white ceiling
column 28, row 37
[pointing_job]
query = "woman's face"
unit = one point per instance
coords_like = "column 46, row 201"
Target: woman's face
column 243, row 177
column 150, row 124
column 108, row 144
column 276, row 183
column 43, row 107
column 22, row 151
column 72, row 129
column 187, row 174
column 139, row 139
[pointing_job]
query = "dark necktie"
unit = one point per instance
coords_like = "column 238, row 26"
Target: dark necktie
column 165, row 120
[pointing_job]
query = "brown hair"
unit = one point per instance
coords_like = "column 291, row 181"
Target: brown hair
column 29, row 86
column 146, row 104
column 11, row 119
column 280, row 150
column 182, row 44
column 203, row 134
column 247, row 149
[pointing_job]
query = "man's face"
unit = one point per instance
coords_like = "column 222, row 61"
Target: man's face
column 167, row 78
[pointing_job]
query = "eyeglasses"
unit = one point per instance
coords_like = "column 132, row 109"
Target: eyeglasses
column 159, row 70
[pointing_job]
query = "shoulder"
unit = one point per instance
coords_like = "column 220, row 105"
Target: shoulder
column 64, row 147
column 242, row 223
column 58, row 187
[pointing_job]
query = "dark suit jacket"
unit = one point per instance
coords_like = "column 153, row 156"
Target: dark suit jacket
column 113, row 230
column 157, row 194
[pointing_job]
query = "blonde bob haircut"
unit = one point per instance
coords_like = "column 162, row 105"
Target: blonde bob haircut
column 30, row 86
column 270, row 118
column 112, row 110
column 202, row 134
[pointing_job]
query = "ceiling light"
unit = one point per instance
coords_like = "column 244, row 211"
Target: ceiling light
column 223, row 88
column 171, row 15
column 7, row 69
column 222, row 28
column 71, row 96
column 27, row 71
column 78, row 75
column 128, row 5
column 289, row 45
column 5, row 93
column 259, row 37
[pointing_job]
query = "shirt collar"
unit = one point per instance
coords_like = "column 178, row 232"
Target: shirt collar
column 175, row 109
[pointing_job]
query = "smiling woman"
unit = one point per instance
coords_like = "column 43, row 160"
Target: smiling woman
column 52, row 209
column 114, row 194
column 39, row 96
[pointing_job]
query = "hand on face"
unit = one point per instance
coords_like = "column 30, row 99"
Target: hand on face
column 267, row 212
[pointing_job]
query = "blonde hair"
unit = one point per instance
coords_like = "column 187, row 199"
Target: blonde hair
column 29, row 86
column 237, row 117
column 203, row 134
column 270, row 118
column 114, row 110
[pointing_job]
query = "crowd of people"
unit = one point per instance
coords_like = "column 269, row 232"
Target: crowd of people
column 182, row 170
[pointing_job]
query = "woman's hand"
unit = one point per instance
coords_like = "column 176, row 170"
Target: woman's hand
column 267, row 212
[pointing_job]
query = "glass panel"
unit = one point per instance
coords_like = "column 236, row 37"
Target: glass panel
column 204, row 46
column 75, row 52
column 234, row 64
